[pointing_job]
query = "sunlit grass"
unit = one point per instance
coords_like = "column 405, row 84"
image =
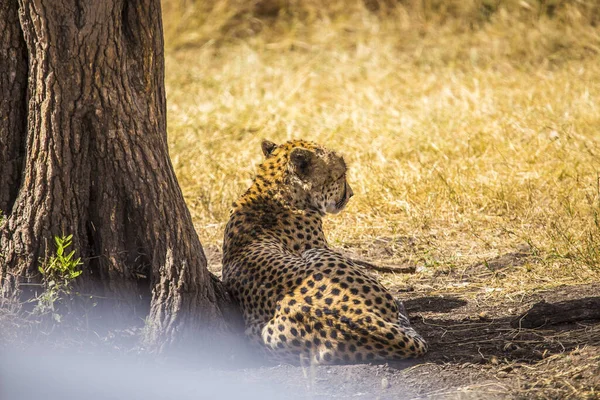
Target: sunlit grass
column 472, row 142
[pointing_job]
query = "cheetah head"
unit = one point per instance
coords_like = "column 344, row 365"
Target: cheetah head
column 315, row 175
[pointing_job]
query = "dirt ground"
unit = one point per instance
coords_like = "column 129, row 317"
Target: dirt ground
column 474, row 353
column 474, row 350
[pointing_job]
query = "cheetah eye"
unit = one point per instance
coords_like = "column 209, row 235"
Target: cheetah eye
column 343, row 176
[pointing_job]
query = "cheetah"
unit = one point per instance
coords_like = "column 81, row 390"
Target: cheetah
column 300, row 299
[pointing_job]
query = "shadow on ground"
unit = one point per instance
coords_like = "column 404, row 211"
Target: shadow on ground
column 438, row 304
column 480, row 334
column 474, row 353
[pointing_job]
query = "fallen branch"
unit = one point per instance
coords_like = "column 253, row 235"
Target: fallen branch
column 381, row 268
column 543, row 313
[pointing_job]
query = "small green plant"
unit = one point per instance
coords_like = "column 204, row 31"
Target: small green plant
column 58, row 274
column 61, row 268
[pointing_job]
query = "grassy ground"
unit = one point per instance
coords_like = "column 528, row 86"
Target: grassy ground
column 471, row 131
column 471, row 135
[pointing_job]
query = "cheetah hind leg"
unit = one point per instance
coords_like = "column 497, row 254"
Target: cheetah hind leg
column 399, row 340
column 405, row 323
column 308, row 340
column 254, row 335
column 281, row 338
column 402, row 314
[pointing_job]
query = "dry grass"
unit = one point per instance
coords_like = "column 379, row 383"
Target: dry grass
column 571, row 375
column 468, row 132
column 567, row 376
column 471, row 131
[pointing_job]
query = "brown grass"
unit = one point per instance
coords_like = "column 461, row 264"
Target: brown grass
column 471, row 132
column 470, row 127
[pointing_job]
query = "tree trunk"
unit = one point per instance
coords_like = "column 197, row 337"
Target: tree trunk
column 13, row 90
column 97, row 164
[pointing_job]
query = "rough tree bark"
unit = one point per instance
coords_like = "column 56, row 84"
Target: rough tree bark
column 13, row 90
column 95, row 162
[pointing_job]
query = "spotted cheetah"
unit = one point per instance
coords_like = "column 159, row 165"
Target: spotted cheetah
column 300, row 299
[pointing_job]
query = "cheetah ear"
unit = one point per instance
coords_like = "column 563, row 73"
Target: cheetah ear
column 302, row 161
column 267, row 147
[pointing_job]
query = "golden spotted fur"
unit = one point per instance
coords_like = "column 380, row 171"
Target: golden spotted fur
column 300, row 299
